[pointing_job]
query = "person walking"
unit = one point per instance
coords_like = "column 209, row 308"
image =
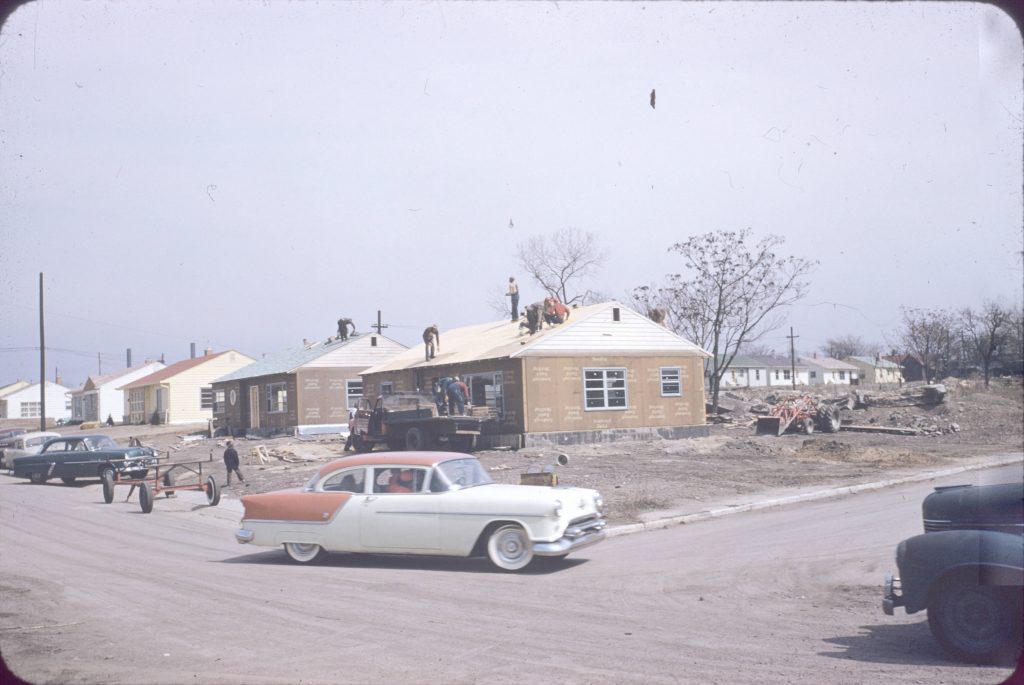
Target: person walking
column 231, row 462
column 513, row 292
column 432, row 340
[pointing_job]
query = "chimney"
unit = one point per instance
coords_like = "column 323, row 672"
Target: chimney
column 193, row 350
column 208, row 351
column 373, row 341
column 129, row 358
column 162, row 358
column 615, row 314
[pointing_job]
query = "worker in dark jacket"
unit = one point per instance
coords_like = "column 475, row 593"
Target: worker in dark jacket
column 231, row 462
column 432, row 340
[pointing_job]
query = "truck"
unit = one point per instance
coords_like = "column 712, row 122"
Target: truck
column 412, row 421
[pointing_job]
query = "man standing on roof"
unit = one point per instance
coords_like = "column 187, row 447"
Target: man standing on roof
column 513, row 292
column 432, row 340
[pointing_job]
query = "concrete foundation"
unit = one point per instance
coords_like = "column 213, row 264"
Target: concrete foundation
column 614, row 435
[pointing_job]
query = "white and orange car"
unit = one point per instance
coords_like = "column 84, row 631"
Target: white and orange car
column 439, row 503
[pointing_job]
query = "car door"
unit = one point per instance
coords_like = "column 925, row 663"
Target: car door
column 399, row 521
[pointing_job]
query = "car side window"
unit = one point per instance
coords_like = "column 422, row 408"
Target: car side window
column 398, row 480
column 350, row 480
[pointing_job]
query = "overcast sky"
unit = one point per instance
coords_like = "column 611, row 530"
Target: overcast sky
column 241, row 174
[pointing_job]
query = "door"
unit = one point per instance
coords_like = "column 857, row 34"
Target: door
column 399, row 522
column 254, row 406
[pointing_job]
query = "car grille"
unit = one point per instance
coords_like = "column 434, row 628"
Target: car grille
column 584, row 525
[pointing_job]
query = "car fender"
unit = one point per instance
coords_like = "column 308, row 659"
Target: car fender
column 995, row 558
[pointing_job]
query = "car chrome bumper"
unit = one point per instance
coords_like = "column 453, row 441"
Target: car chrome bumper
column 243, row 536
column 575, row 538
column 892, row 597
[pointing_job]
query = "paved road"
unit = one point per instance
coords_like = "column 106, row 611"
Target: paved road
column 102, row 593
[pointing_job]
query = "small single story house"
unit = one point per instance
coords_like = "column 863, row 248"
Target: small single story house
column 24, row 402
column 759, row 371
column 101, row 396
column 829, row 371
column 181, row 392
column 876, row 369
column 311, row 385
column 606, row 373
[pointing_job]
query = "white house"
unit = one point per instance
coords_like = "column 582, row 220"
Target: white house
column 877, row 370
column 760, row 371
column 102, row 396
column 829, row 371
column 24, row 402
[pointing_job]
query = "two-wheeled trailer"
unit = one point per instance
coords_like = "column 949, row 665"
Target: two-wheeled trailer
column 162, row 478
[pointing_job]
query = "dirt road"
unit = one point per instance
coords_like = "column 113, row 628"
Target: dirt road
column 102, row 593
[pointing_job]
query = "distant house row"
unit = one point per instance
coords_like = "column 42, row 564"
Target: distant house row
column 754, row 371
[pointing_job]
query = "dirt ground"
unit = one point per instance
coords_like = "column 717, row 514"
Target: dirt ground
column 645, row 479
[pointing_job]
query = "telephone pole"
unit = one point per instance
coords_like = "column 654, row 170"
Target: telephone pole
column 792, row 355
column 378, row 325
column 42, row 360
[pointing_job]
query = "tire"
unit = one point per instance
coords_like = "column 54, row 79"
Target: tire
column 146, row 498
column 108, row 486
column 37, row 477
column 509, row 548
column 212, row 491
column 67, row 480
column 976, row 623
column 808, row 426
column 462, row 443
column 168, row 481
column 832, row 422
column 303, row 552
column 361, row 444
column 415, row 439
column 107, row 471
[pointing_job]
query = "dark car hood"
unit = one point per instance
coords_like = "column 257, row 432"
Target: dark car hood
column 977, row 507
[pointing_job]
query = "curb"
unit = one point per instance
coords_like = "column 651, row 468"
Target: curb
column 670, row 521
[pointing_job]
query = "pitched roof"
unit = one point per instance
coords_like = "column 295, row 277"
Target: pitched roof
column 771, row 361
column 879, row 363
column 589, row 330
column 828, row 363
column 172, row 370
column 286, row 361
column 94, row 382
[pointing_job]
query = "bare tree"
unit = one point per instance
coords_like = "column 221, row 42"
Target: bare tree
column 986, row 332
column 561, row 263
column 930, row 335
column 730, row 295
column 849, row 346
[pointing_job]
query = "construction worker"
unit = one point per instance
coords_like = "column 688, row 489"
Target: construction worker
column 458, row 393
column 555, row 311
column 343, row 325
column 513, row 292
column 432, row 340
column 534, row 312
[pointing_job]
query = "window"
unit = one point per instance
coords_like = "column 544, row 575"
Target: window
column 387, row 388
column 776, row 374
column 136, row 401
column 353, row 392
column 757, row 374
column 670, row 385
column 487, row 390
column 218, row 402
column 398, row 480
column 814, row 374
column 349, row 480
column 604, row 388
column 842, row 375
column 30, row 410
column 277, row 398
column 786, row 374
column 206, row 398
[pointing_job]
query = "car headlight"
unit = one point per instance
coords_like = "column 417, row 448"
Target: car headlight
column 557, row 511
column 599, row 501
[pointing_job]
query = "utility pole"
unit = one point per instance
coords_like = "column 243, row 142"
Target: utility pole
column 42, row 360
column 379, row 325
column 792, row 355
column 99, row 365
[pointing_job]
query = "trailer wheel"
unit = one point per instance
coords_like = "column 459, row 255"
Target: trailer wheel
column 146, row 498
column 108, row 485
column 415, row 439
column 107, row 472
column 168, row 481
column 212, row 491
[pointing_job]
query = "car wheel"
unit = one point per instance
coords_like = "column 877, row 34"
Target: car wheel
column 509, row 548
column 168, row 481
column 976, row 623
column 37, row 477
column 108, row 485
column 212, row 491
column 303, row 552
column 146, row 498
column 67, row 480
column 415, row 439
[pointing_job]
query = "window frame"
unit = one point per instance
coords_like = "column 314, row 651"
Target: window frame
column 606, row 388
column 275, row 393
column 206, row 397
column 667, row 381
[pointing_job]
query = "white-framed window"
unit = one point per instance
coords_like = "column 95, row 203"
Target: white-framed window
column 757, row 374
column 387, row 388
column 786, row 375
column 604, row 389
column 30, row 410
column 277, row 398
column 842, row 375
column 218, row 402
column 813, row 374
column 354, row 392
column 776, row 374
column 671, row 385
column 206, row 398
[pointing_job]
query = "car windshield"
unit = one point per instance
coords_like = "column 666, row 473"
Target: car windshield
column 464, row 473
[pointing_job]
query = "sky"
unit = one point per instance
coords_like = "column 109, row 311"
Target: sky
column 242, row 174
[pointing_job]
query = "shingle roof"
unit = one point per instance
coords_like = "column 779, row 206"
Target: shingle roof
column 879, row 363
column 828, row 363
column 172, row 370
column 286, row 361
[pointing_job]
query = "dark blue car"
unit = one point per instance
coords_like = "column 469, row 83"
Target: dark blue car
column 83, row 456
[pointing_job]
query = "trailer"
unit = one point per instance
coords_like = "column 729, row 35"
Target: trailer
column 161, row 478
column 804, row 413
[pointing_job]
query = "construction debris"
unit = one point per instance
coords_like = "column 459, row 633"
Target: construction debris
column 922, row 396
column 803, row 412
column 890, row 430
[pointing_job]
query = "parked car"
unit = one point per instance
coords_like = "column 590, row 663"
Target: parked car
column 440, row 503
column 83, row 456
column 967, row 571
column 24, row 445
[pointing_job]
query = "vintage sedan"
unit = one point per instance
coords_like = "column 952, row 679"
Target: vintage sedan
column 439, row 503
column 967, row 571
column 83, row 456
column 23, row 445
